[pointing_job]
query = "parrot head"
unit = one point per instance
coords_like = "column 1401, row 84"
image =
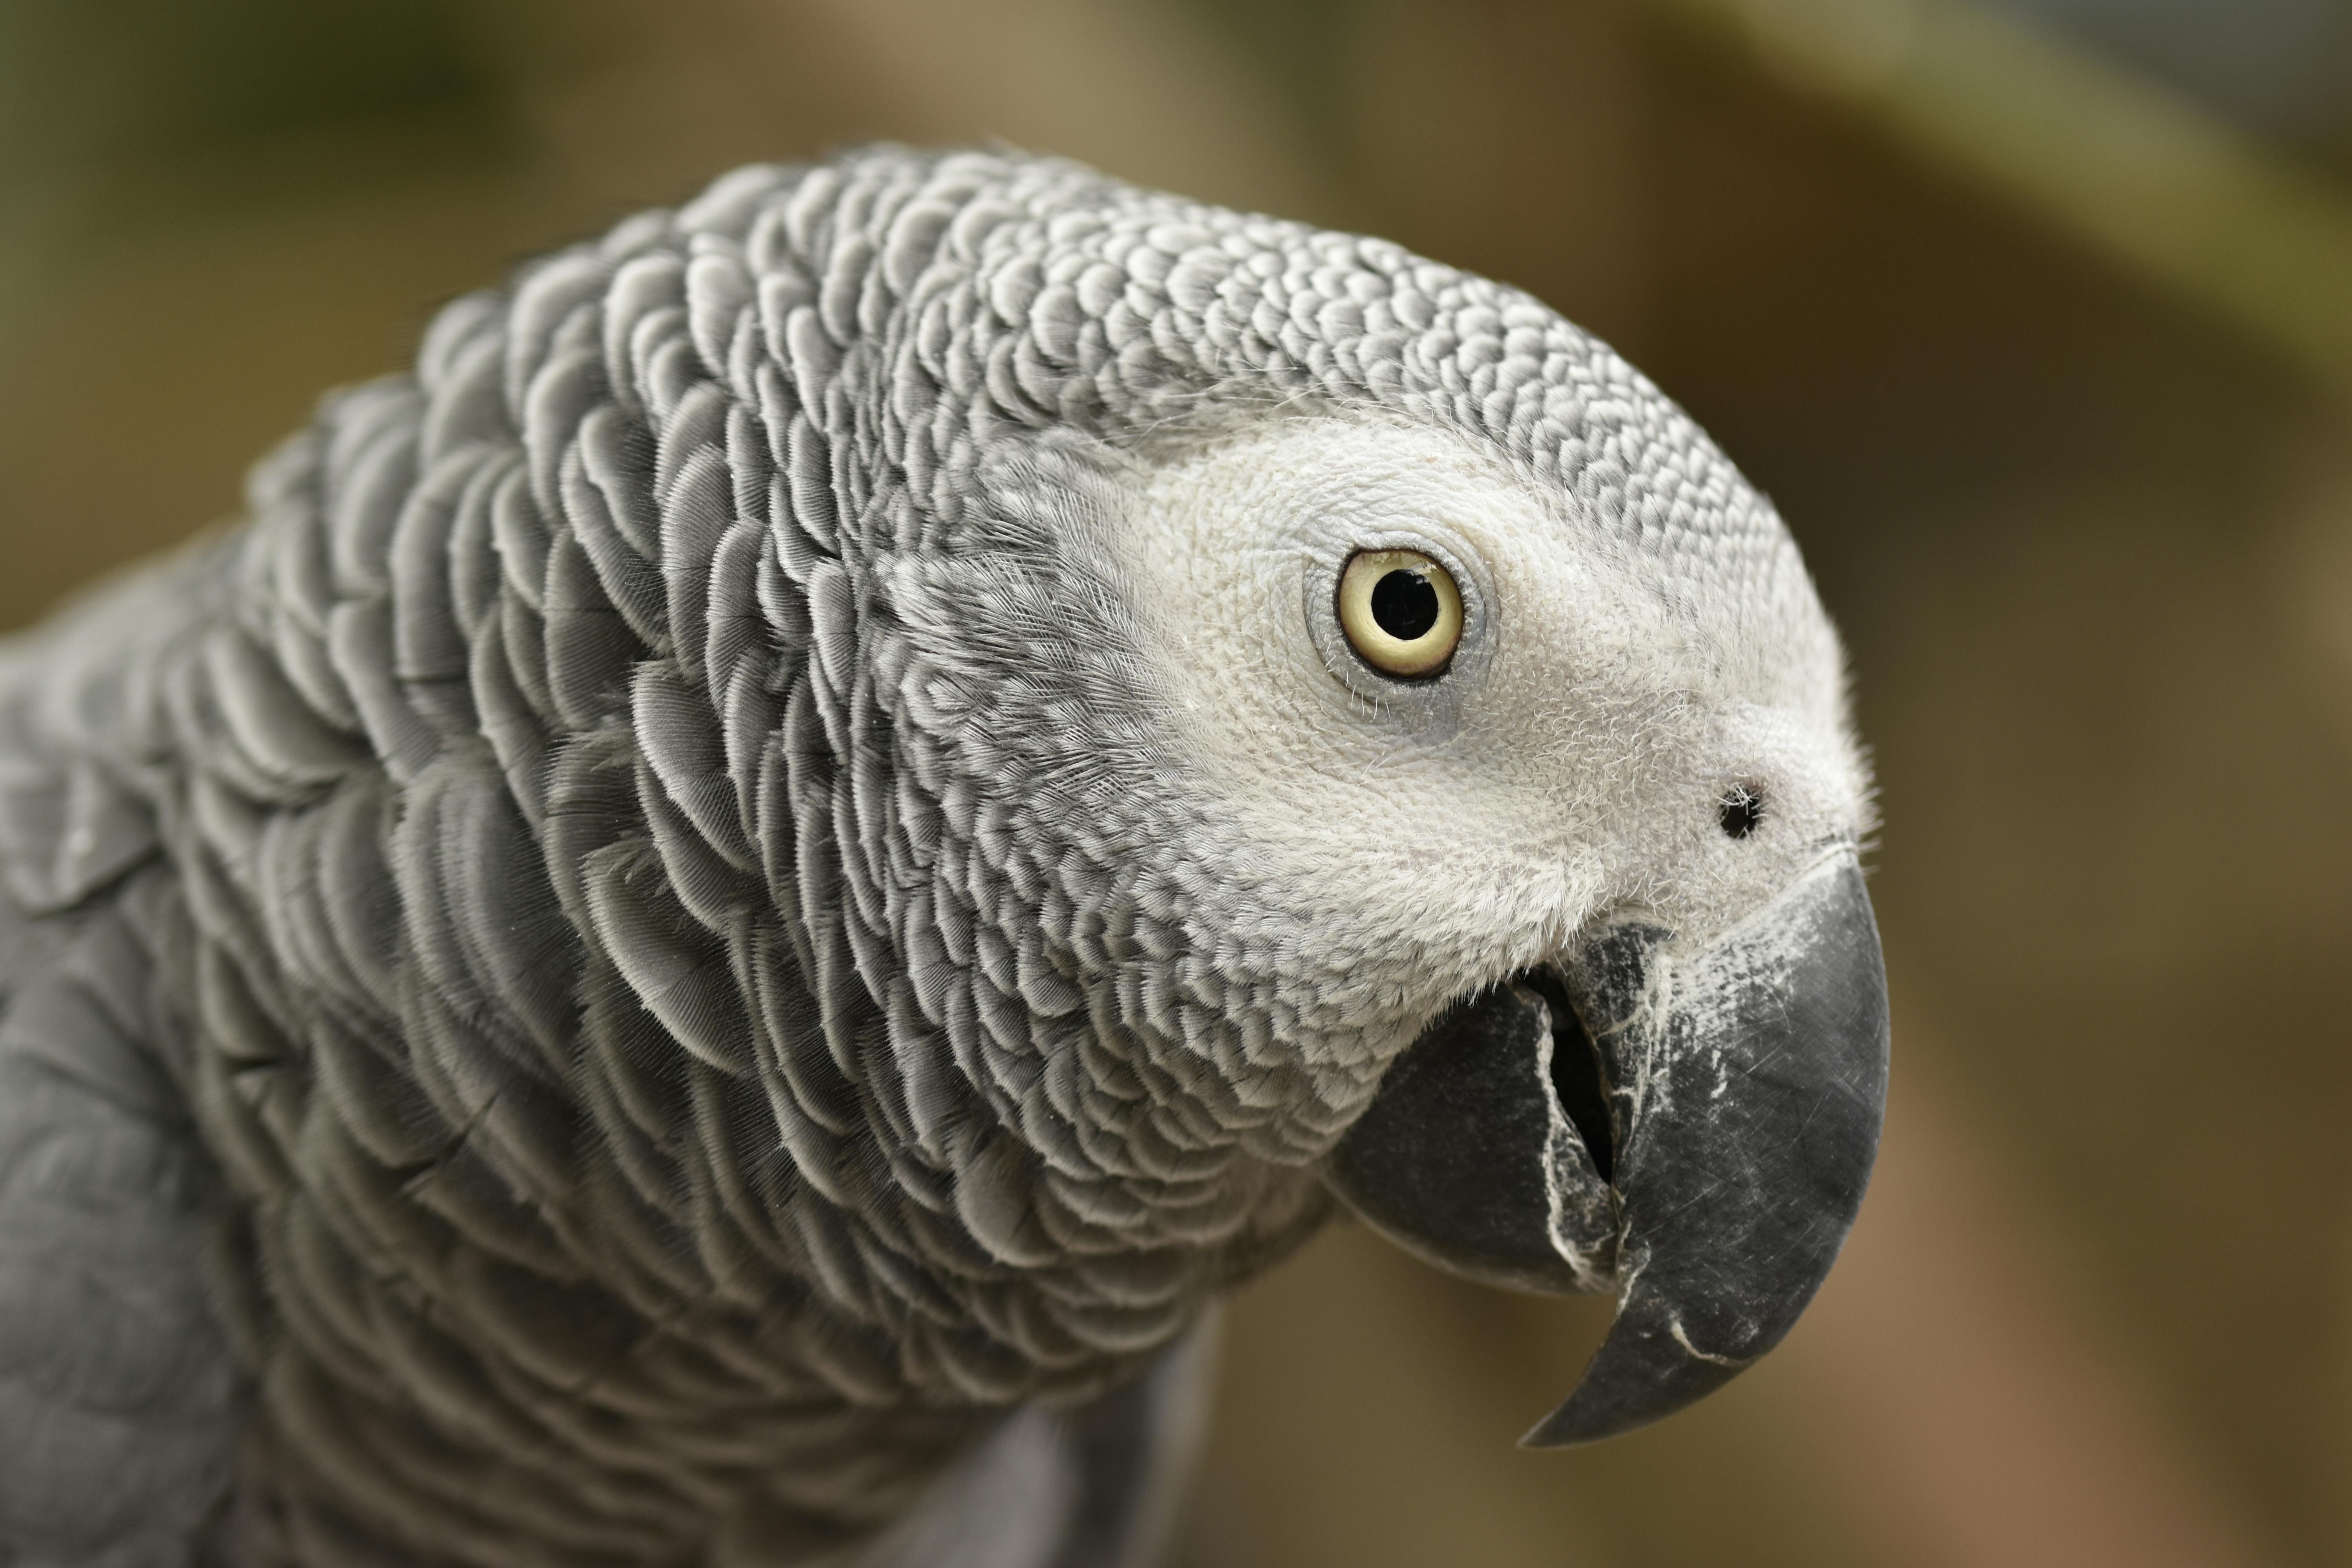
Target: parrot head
column 1572, row 826
column 1406, row 751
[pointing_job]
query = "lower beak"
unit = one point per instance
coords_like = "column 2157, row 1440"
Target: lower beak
column 1690, row 1125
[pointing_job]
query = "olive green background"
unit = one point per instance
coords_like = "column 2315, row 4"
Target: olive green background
column 2089, row 544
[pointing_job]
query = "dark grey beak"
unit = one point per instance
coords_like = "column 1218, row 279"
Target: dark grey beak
column 1691, row 1126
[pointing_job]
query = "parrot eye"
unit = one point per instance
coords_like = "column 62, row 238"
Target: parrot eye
column 1740, row 810
column 1401, row 611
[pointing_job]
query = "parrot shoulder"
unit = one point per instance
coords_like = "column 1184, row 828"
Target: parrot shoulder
column 1093, row 1487
column 114, row 1384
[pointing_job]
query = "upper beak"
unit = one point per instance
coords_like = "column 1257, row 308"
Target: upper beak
column 1690, row 1124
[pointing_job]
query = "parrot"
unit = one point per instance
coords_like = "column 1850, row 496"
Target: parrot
column 711, row 932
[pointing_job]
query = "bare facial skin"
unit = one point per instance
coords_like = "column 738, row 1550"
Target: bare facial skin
column 1572, row 755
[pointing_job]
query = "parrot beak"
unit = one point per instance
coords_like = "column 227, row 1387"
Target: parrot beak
column 1690, row 1125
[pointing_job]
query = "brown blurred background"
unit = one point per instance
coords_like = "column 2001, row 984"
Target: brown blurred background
column 2036, row 320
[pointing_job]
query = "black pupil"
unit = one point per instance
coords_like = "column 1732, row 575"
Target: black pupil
column 1404, row 604
column 1740, row 810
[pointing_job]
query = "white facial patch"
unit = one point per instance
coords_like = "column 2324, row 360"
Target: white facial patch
column 1568, row 760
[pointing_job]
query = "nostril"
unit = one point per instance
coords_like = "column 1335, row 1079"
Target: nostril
column 1740, row 810
column 1577, row 1080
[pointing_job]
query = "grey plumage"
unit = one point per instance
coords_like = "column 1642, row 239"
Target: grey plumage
column 631, row 963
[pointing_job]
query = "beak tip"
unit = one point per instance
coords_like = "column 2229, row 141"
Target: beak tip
column 1580, row 1421
column 1557, row 1431
column 1645, row 1372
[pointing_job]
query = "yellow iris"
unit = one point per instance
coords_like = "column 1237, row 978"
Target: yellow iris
column 1401, row 611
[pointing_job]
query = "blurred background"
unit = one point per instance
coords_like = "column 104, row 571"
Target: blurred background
column 2034, row 316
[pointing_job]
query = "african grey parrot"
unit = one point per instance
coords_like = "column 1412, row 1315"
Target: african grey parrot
column 710, row 934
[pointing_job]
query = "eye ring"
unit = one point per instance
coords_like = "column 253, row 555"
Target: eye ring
column 1401, row 611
